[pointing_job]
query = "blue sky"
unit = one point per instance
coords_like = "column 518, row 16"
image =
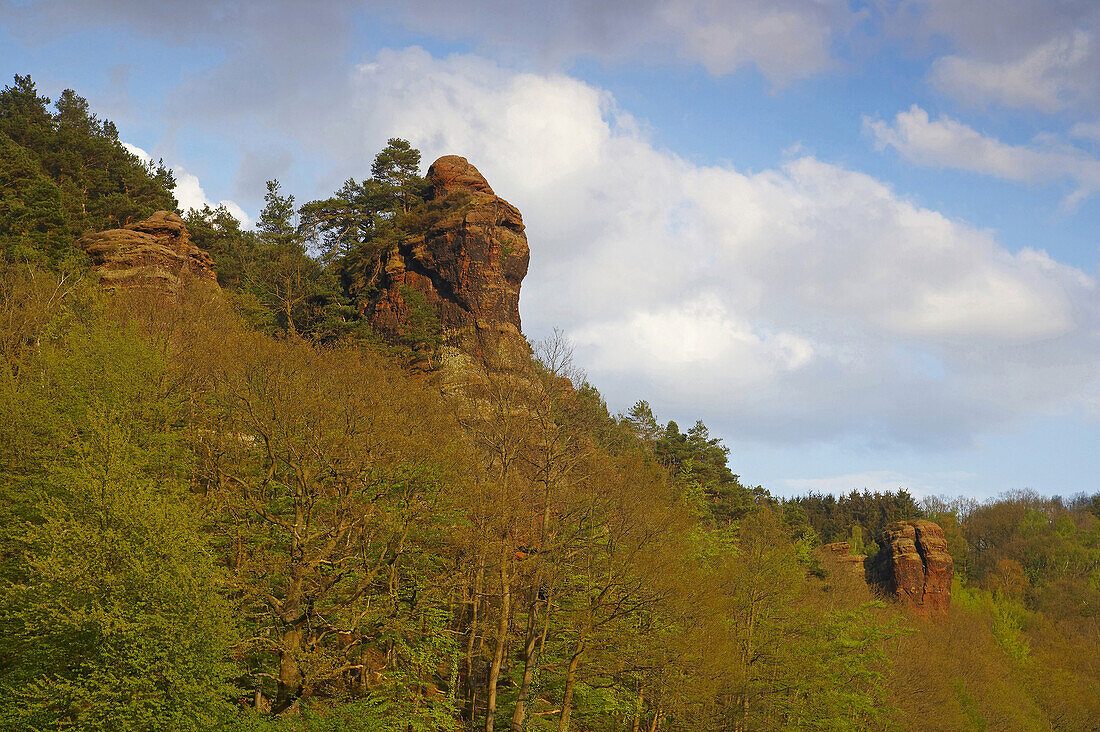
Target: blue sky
column 859, row 240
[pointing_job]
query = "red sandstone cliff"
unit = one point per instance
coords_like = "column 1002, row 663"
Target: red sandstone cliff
column 468, row 265
column 914, row 566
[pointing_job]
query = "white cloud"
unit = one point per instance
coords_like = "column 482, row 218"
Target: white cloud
column 190, row 194
column 700, row 335
column 1033, row 54
column 947, row 143
column 138, row 152
column 188, row 190
column 1050, row 77
column 1086, row 130
column 800, row 302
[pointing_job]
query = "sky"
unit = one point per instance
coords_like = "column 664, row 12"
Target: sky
column 858, row 239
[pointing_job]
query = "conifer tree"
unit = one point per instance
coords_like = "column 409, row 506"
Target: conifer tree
column 397, row 168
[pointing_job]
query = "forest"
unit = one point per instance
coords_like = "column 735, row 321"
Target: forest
column 246, row 509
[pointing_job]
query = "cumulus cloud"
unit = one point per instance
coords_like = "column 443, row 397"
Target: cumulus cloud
column 1050, row 77
column 800, row 302
column 947, row 143
column 1018, row 53
column 189, row 192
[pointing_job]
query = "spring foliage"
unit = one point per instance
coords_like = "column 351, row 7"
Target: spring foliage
column 240, row 511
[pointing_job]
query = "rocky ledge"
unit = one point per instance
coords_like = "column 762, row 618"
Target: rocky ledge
column 156, row 253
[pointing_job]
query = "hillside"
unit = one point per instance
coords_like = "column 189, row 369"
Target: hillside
column 314, row 477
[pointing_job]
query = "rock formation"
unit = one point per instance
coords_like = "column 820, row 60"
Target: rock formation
column 914, row 566
column 839, row 554
column 467, row 265
column 156, row 253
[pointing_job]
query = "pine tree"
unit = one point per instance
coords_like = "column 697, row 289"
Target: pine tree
column 397, row 168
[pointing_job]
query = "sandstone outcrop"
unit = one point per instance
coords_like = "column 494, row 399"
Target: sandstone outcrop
column 467, row 265
column 156, row 253
column 914, row 566
column 837, row 549
column 839, row 554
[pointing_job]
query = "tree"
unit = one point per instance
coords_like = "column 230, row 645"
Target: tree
column 218, row 232
column 25, row 116
column 110, row 610
column 277, row 218
column 330, row 473
column 284, row 276
column 642, row 421
column 856, row 542
column 397, row 168
column 347, row 221
column 34, row 224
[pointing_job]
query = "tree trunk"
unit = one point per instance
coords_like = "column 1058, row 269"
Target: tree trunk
column 290, row 674
column 288, row 309
column 528, row 663
column 502, row 639
column 570, row 682
column 746, row 661
column 638, row 711
column 471, row 681
column 656, row 719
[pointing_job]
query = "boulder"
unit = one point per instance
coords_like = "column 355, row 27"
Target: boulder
column 156, row 253
column 913, row 566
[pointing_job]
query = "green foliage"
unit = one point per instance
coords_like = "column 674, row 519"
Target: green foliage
column 277, row 286
column 856, row 541
column 277, row 226
column 218, row 233
column 643, row 423
column 700, row 461
column 348, row 221
column 423, row 331
column 852, row 652
column 1055, row 546
column 969, row 707
column 111, row 614
column 307, row 271
column 34, row 225
column 65, row 173
column 396, row 169
column 833, row 517
column 1007, row 618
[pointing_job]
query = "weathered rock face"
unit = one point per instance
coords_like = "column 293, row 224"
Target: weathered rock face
column 913, row 565
column 454, row 173
column 837, row 549
column 839, row 555
column 468, row 265
column 156, row 253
